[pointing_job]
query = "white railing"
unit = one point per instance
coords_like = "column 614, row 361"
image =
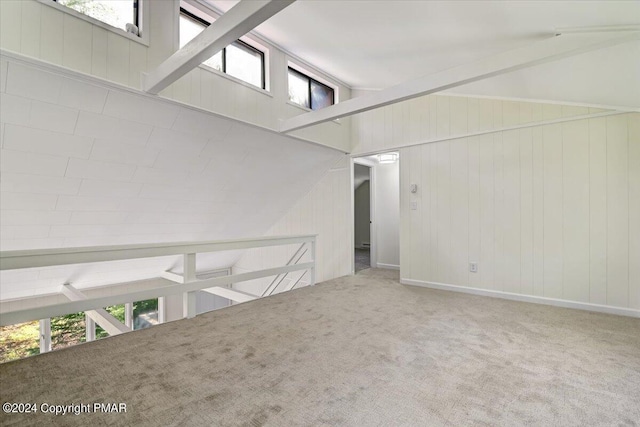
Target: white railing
column 188, row 286
column 275, row 283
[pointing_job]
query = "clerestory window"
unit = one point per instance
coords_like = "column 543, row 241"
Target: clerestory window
column 308, row 92
column 116, row 13
column 239, row 59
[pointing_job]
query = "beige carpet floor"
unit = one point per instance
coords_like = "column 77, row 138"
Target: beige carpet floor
column 355, row 351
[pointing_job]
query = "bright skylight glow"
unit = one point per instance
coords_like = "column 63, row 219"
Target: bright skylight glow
column 244, row 64
column 298, row 89
column 117, row 13
column 189, row 28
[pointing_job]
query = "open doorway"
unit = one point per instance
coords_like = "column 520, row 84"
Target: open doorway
column 376, row 211
column 362, row 216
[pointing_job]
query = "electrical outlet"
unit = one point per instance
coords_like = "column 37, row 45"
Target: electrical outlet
column 473, row 267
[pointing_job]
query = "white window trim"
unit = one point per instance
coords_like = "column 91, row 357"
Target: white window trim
column 331, row 81
column 143, row 11
column 309, row 73
column 210, row 15
column 302, row 107
column 304, row 70
column 234, row 79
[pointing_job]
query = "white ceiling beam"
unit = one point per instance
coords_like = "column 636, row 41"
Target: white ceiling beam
column 235, row 23
column 548, row 50
column 232, row 294
column 106, row 321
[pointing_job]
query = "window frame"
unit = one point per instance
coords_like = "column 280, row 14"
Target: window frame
column 310, row 81
column 136, row 14
column 141, row 16
column 238, row 43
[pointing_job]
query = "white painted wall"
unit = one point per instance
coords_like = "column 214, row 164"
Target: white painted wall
column 386, row 219
column 533, row 207
column 325, row 211
column 90, row 164
column 85, row 164
column 550, row 211
column 37, row 30
column 207, row 302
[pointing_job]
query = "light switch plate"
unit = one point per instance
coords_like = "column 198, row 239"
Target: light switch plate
column 414, row 206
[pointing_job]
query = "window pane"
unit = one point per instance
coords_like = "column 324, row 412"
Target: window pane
column 145, row 313
column 117, row 13
column 189, row 28
column 245, row 64
column 298, row 89
column 321, row 95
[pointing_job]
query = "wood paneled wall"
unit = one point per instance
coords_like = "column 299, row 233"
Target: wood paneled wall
column 442, row 116
column 550, row 211
column 325, row 211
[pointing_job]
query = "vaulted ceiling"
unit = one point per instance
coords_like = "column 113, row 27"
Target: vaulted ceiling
column 377, row 44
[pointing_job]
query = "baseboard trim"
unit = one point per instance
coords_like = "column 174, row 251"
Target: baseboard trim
column 525, row 298
column 388, row 266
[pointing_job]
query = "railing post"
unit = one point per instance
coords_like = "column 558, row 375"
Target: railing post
column 312, row 270
column 128, row 315
column 162, row 304
column 45, row 335
column 189, row 298
column 90, row 327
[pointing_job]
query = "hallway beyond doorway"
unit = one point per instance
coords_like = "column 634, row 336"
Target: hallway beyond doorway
column 363, row 259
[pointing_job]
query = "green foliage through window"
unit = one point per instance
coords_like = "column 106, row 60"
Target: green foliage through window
column 22, row 340
column 117, row 13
